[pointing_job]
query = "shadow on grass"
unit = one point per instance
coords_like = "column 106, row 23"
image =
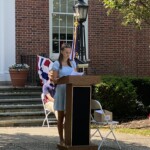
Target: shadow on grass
column 38, row 142
column 27, row 142
column 111, row 145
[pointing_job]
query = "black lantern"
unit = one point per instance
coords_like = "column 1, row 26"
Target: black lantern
column 81, row 10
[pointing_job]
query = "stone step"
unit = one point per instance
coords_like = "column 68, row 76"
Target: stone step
column 12, row 106
column 20, row 95
column 21, row 106
column 20, row 101
column 21, row 117
column 21, row 113
column 25, row 117
column 21, row 110
column 4, row 89
column 17, row 93
column 26, row 122
column 33, row 107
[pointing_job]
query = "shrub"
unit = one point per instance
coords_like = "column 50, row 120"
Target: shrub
column 117, row 95
column 142, row 86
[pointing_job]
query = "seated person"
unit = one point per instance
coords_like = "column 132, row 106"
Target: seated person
column 49, row 91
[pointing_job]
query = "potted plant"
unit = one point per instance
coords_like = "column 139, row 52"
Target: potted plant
column 18, row 74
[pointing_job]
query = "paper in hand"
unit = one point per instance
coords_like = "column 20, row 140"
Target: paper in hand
column 74, row 73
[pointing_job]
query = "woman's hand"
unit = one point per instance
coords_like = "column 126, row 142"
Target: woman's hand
column 55, row 80
column 55, row 73
column 50, row 98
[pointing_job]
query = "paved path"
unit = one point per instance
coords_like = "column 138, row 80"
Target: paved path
column 43, row 138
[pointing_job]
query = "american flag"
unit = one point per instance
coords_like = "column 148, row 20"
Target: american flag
column 44, row 65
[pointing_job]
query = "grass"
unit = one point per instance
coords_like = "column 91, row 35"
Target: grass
column 144, row 132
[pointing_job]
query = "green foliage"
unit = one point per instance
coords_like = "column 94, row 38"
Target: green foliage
column 143, row 92
column 19, row 66
column 117, row 95
column 133, row 11
column 125, row 96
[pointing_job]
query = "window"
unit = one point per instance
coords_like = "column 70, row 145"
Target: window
column 61, row 24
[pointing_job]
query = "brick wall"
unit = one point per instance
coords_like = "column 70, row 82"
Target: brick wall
column 32, row 27
column 113, row 49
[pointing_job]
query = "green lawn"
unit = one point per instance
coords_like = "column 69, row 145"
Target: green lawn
column 145, row 132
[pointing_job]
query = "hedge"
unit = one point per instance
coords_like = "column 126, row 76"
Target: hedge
column 126, row 97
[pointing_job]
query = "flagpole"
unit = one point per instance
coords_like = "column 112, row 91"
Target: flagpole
column 81, row 42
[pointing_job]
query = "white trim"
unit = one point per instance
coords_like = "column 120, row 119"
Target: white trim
column 1, row 36
column 50, row 29
column 86, row 35
column 54, row 56
column 7, row 42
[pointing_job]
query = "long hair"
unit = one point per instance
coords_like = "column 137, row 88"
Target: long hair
column 65, row 45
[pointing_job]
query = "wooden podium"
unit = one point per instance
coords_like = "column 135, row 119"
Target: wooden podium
column 77, row 120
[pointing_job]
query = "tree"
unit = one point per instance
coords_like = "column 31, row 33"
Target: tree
column 133, row 12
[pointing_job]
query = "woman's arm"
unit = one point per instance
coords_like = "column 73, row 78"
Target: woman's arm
column 56, row 76
column 75, row 69
column 74, row 66
column 50, row 98
column 55, row 69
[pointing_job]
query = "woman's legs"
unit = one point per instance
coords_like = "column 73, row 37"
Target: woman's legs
column 60, row 125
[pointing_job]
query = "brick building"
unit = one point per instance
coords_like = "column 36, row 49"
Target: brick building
column 111, row 48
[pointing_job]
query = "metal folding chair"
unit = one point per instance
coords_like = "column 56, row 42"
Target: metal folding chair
column 95, row 105
column 46, row 112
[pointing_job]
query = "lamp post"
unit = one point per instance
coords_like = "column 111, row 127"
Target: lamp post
column 81, row 9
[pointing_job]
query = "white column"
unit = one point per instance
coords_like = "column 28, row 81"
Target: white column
column 1, row 36
column 7, row 37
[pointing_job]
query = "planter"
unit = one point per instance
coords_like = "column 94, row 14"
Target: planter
column 18, row 77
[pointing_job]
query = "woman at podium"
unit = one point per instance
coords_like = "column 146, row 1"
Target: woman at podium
column 62, row 67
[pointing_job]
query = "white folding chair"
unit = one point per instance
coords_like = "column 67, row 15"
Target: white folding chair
column 46, row 111
column 95, row 105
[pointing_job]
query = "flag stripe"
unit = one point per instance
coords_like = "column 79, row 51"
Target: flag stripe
column 44, row 65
